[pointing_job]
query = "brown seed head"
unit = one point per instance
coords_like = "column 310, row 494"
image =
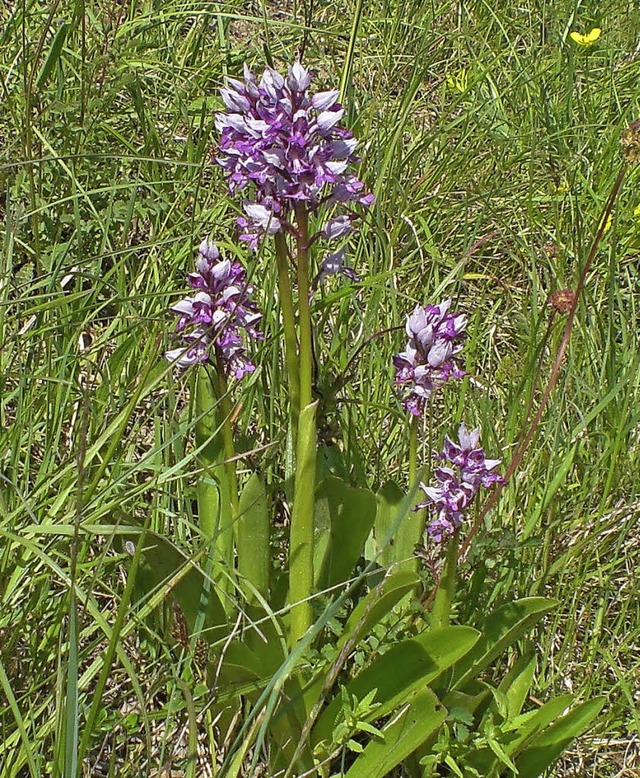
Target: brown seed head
column 562, row 300
column 630, row 142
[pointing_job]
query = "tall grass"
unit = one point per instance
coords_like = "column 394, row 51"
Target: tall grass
column 491, row 142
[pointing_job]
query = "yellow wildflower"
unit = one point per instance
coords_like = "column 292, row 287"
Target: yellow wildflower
column 586, row 41
column 458, row 82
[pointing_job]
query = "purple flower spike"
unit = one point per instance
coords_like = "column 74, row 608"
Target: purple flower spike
column 435, row 337
column 287, row 146
column 470, row 458
column 211, row 321
column 457, row 486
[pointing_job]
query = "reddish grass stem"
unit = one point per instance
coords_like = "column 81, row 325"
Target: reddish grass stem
column 526, row 439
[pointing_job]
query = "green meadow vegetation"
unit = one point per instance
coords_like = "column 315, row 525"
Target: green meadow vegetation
column 491, row 141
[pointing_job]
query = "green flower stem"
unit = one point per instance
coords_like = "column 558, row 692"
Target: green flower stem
column 227, row 437
column 421, row 515
column 301, row 540
column 214, row 490
column 410, row 531
column 289, row 325
column 413, row 450
column 304, row 314
column 446, row 587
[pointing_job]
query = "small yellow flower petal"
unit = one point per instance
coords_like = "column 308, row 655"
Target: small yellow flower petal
column 636, row 211
column 586, row 40
column 458, row 82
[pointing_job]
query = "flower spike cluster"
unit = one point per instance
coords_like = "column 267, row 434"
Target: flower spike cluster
column 435, row 337
column 458, row 483
column 285, row 146
column 211, row 321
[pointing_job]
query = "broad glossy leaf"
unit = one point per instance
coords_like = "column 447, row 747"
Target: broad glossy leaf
column 253, row 548
column 419, row 719
column 343, row 519
column 285, row 730
column 549, row 744
column 331, row 462
column 519, row 733
column 517, row 683
column 389, row 500
column 246, row 664
column 403, row 669
column 505, row 702
column 368, row 612
column 501, row 629
column 378, row 603
column 239, row 664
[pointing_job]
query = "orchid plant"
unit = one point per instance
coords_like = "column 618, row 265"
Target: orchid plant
column 284, row 151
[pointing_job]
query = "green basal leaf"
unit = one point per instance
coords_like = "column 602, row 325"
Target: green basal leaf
column 368, row 612
column 378, row 603
column 516, row 684
column 474, row 697
column 547, row 747
column 406, row 667
column 344, row 517
column 416, row 722
column 530, row 723
column 502, row 629
column 389, row 500
column 516, row 736
column 254, row 657
column 253, row 544
column 240, row 664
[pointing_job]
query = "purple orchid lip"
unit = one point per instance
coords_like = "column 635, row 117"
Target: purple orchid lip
column 436, row 336
column 212, row 320
column 456, row 486
column 286, row 146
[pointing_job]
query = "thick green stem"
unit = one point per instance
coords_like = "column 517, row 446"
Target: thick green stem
column 301, row 539
column 413, row 450
column 446, row 587
column 304, row 314
column 215, row 502
column 410, row 531
column 421, row 515
column 290, row 337
column 227, row 438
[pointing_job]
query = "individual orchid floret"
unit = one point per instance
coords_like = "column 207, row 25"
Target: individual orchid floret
column 211, row 321
column 285, row 147
column 331, row 266
column 338, row 227
column 429, row 361
column 468, row 455
column 456, row 486
column 258, row 221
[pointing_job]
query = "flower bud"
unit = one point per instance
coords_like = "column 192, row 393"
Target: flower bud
column 562, row 300
column 630, row 142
